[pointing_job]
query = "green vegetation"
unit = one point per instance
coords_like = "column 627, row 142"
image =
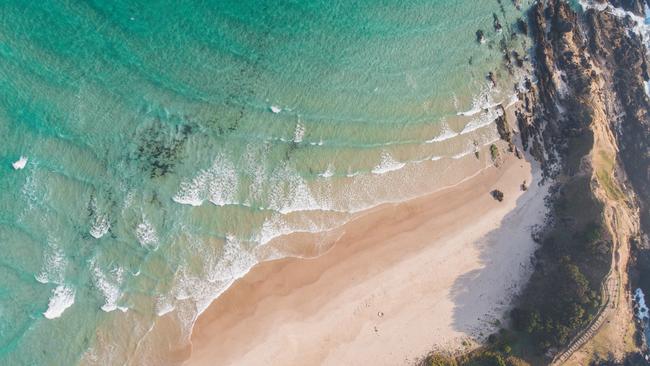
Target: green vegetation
column 564, row 292
column 580, row 146
column 497, row 352
column 605, row 172
column 494, row 152
column 439, row 360
column 572, row 262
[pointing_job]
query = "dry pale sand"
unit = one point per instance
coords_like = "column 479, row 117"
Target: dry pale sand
column 401, row 280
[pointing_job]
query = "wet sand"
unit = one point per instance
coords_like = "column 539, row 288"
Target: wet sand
column 398, row 281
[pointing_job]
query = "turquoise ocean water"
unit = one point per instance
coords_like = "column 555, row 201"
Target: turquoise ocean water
column 168, row 141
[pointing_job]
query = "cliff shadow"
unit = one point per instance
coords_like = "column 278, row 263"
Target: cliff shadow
column 483, row 296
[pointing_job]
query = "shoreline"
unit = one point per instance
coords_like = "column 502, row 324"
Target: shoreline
column 374, row 255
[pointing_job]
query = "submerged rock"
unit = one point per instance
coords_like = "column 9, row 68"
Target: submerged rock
column 523, row 26
column 480, row 36
column 518, row 60
column 490, row 76
column 497, row 25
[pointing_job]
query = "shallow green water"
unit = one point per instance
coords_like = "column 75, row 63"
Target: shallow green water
column 156, row 164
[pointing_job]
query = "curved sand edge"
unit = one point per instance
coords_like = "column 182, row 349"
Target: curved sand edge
column 400, row 281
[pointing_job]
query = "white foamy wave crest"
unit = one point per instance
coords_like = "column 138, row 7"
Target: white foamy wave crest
column 30, row 189
column 257, row 172
column 473, row 147
column 163, row 305
column 192, row 193
column 222, row 271
column 20, row 163
column 299, row 132
column 464, row 153
column 446, row 134
column 128, row 201
column 109, row 285
column 234, row 262
column 146, row 234
column 289, row 192
column 481, row 102
column 486, row 118
column 61, row 299
column 642, row 312
column 276, row 226
column 329, row 172
column 100, row 226
column 217, row 185
column 222, row 183
column 54, row 263
column 272, row 228
column 641, row 26
column 387, row 164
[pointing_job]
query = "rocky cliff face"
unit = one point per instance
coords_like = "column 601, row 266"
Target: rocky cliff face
column 557, row 106
column 588, row 116
column 572, row 58
column 624, row 54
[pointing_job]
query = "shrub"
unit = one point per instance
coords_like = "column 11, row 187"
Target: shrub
column 494, row 152
column 440, row 360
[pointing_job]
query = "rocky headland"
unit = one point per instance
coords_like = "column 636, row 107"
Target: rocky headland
column 584, row 117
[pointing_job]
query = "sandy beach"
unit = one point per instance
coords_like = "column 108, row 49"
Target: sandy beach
column 399, row 281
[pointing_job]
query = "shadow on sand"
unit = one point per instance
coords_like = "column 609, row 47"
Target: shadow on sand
column 483, row 296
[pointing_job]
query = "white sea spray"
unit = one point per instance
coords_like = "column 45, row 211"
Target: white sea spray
column 61, row 299
column 446, row 133
column 642, row 312
column 299, row 132
column 328, row 173
column 485, row 118
column 387, row 164
column 483, row 100
column 109, row 284
column 217, row 184
column 20, row 163
column 100, row 226
column 54, row 263
column 146, row 234
column 290, row 192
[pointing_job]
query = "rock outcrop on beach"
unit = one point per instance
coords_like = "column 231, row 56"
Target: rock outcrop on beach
column 503, row 127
